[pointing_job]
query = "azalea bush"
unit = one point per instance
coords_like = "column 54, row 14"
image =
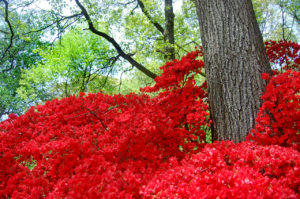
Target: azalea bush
column 278, row 120
column 228, row 170
column 135, row 146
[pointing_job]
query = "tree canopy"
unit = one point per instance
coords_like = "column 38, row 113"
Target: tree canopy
column 79, row 62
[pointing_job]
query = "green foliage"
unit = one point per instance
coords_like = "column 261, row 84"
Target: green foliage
column 16, row 57
column 148, row 44
column 278, row 19
column 79, row 62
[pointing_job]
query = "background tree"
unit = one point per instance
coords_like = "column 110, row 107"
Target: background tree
column 278, row 19
column 148, row 30
column 131, row 22
column 16, row 49
column 235, row 58
column 151, row 35
column 79, row 62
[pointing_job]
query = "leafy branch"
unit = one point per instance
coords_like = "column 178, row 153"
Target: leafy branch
column 146, row 13
column 168, row 31
column 12, row 34
column 55, row 22
column 114, row 43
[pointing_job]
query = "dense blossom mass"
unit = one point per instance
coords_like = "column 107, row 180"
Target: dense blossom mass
column 134, row 146
column 284, row 54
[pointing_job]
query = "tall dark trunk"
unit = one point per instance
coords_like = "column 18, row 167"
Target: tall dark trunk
column 235, row 58
column 169, row 29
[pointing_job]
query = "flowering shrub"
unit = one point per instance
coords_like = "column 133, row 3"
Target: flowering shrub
column 134, row 146
column 98, row 145
column 278, row 120
column 228, row 170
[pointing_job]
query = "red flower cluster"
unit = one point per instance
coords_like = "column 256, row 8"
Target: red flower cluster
column 285, row 54
column 177, row 72
column 98, row 145
column 278, row 120
column 228, row 170
column 134, row 146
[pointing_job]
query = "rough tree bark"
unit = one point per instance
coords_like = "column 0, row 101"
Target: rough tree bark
column 235, row 58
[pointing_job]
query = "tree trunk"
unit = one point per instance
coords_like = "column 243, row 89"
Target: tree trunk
column 169, row 29
column 235, row 58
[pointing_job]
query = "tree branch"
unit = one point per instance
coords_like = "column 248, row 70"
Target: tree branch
column 125, row 4
column 55, row 22
column 146, row 13
column 4, row 32
column 93, row 113
column 22, row 6
column 294, row 14
column 12, row 34
column 168, row 31
column 114, row 43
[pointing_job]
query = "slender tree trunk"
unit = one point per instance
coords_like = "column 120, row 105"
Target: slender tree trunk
column 169, row 29
column 235, row 58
